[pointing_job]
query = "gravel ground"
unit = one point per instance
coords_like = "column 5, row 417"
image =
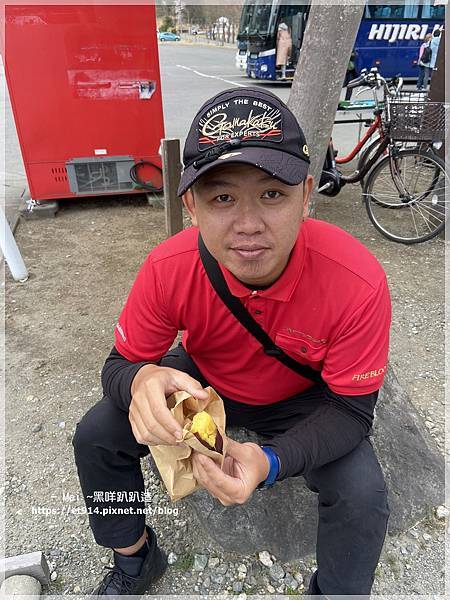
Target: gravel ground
column 59, row 329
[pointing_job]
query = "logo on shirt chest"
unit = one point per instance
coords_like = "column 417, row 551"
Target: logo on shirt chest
column 302, row 345
column 301, row 335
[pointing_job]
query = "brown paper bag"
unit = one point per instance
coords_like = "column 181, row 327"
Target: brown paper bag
column 174, row 462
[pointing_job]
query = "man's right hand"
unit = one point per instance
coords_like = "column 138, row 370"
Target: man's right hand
column 151, row 421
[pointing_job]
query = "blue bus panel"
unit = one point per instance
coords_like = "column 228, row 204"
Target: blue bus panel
column 389, row 36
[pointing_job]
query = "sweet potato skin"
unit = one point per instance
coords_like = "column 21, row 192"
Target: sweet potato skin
column 218, row 446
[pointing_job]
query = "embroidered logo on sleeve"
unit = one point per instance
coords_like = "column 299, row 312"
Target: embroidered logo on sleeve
column 120, row 330
column 369, row 374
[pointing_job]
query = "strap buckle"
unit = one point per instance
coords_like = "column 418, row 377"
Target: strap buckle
column 273, row 351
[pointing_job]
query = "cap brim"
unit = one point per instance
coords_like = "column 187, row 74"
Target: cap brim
column 283, row 166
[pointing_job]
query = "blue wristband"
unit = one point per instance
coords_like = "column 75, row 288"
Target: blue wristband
column 274, row 467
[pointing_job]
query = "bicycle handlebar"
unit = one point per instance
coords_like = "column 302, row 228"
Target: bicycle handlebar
column 374, row 80
column 355, row 83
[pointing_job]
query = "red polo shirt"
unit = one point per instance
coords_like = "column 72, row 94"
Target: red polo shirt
column 329, row 309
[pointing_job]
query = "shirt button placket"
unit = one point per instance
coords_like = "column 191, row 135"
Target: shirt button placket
column 256, row 311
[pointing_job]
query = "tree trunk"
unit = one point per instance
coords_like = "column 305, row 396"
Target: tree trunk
column 327, row 45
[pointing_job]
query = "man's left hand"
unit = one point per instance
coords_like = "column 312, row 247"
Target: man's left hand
column 244, row 467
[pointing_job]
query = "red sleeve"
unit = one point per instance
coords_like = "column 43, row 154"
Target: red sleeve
column 356, row 361
column 144, row 331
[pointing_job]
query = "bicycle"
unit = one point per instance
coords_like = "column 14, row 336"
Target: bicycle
column 374, row 125
column 332, row 180
column 404, row 193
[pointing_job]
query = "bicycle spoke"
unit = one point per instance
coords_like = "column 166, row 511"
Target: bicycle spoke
column 387, row 201
column 417, row 178
column 387, row 179
column 378, row 195
column 419, row 212
column 433, row 192
column 434, row 206
column 422, row 207
column 414, row 221
column 402, row 176
column 423, row 173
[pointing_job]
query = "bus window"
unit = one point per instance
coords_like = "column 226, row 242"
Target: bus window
column 259, row 22
column 246, row 17
column 411, row 10
column 408, row 10
column 289, row 14
column 433, row 10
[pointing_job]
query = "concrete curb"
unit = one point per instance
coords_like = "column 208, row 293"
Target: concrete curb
column 33, row 564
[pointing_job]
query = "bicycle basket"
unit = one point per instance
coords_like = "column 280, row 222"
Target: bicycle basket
column 411, row 117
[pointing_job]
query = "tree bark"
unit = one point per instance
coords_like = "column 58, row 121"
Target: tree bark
column 327, row 45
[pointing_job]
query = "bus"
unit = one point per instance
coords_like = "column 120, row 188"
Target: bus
column 388, row 38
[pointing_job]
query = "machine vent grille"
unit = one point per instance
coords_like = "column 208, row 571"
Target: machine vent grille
column 59, row 174
column 93, row 176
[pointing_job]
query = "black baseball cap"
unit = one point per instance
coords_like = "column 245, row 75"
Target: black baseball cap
column 245, row 125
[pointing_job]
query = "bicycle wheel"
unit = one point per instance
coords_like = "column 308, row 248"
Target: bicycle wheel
column 412, row 209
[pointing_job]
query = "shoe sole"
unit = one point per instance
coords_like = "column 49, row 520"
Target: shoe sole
column 160, row 570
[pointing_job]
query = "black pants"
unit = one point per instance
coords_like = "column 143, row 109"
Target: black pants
column 353, row 509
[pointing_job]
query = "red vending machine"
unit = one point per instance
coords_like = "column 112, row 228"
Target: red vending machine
column 85, row 89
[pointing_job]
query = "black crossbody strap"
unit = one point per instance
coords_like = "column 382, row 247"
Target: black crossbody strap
column 236, row 307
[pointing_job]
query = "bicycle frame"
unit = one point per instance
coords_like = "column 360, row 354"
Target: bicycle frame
column 358, row 175
column 376, row 125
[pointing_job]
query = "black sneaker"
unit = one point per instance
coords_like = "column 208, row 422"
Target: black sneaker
column 118, row 583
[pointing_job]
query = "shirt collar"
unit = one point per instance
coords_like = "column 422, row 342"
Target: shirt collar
column 283, row 288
